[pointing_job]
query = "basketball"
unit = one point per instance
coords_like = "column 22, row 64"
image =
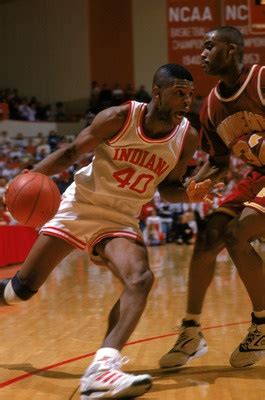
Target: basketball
column 32, row 199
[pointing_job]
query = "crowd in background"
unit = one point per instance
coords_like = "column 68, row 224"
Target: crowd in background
column 161, row 222
column 26, row 108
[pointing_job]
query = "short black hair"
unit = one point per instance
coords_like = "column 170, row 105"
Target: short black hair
column 231, row 34
column 167, row 74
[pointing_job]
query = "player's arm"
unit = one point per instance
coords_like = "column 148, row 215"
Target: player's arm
column 219, row 155
column 104, row 126
column 172, row 189
column 215, row 169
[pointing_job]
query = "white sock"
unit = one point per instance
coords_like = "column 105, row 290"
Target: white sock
column 194, row 317
column 106, row 352
column 259, row 314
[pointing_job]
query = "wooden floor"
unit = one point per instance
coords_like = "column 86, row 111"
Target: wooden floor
column 47, row 343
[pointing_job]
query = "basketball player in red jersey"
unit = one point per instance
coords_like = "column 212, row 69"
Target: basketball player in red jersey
column 138, row 148
column 233, row 121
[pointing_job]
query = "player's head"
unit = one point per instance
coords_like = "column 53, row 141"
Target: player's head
column 222, row 48
column 173, row 90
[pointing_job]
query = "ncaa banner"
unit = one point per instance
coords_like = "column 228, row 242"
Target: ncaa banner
column 188, row 21
column 247, row 16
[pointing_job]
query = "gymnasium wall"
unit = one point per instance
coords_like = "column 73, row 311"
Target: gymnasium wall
column 150, row 39
column 44, row 48
column 54, row 48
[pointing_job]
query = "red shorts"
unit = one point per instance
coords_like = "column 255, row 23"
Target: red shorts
column 249, row 192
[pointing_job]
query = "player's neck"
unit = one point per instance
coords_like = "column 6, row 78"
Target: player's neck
column 231, row 82
column 154, row 126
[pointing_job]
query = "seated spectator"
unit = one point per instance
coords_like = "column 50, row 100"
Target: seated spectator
column 63, row 180
column 53, row 140
column 30, row 149
column 37, row 140
column 3, row 183
column 145, row 212
column 182, row 231
column 153, row 233
column 89, row 116
column 5, row 216
column 129, row 92
column 142, row 95
column 4, row 138
column 165, row 214
column 94, row 97
column 43, row 149
column 117, row 95
column 105, row 97
column 60, row 113
column 4, row 110
column 20, row 140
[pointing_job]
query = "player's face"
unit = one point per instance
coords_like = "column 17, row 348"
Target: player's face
column 176, row 100
column 215, row 54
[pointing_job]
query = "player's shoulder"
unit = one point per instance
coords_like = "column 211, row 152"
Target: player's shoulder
column 203, row 114
column 117, row 112
column 191, row 136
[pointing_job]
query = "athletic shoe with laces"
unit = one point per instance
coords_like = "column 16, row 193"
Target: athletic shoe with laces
column 252, row 348
column 190, row 344
column 104, row 379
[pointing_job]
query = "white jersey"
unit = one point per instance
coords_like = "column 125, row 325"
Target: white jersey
column 130, row 166
column 107, row 196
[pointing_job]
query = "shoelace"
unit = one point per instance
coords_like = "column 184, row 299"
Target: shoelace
column 117, row 363
column 182, row 336
column 253, row 332
column 110, row 363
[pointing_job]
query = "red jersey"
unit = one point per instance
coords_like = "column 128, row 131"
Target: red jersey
column 236, row 123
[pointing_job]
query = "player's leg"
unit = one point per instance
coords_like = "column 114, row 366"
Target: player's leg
column 190, row 342
column 45, row 254
column 238, row 237
column 103, row 378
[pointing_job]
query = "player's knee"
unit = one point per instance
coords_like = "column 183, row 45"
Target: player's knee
column 233, row 236
column 15, row 291
column 141, row 281
column 208, row 240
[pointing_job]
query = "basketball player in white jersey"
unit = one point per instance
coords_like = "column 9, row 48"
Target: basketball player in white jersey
column 137, row 148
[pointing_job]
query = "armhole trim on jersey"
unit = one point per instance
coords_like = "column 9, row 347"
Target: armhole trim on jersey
column 183, row 139
column 262, row 98
column 209, row 105
column 241, row 89
column 123, row 129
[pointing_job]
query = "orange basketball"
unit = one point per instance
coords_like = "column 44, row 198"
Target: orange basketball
column 32, row 199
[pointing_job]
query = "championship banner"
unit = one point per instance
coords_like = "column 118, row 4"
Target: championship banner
column 257, row 16
column 188, row 21
column 238, row 13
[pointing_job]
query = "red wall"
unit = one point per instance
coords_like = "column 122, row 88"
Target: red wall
column 111, row 41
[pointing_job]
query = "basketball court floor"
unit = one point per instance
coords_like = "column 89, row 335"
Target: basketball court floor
column 47, row 343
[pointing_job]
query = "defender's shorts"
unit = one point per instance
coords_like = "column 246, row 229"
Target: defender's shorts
column 249, row 192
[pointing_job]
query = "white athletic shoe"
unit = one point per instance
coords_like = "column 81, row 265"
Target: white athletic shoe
column 104, row 379
column 252, row 348
column 190, row 344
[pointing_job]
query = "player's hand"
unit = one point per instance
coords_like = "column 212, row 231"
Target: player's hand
column 203, row 191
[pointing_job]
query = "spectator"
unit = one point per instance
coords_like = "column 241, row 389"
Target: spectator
column 60, row 114
column 142, row 95
column 153, row 232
